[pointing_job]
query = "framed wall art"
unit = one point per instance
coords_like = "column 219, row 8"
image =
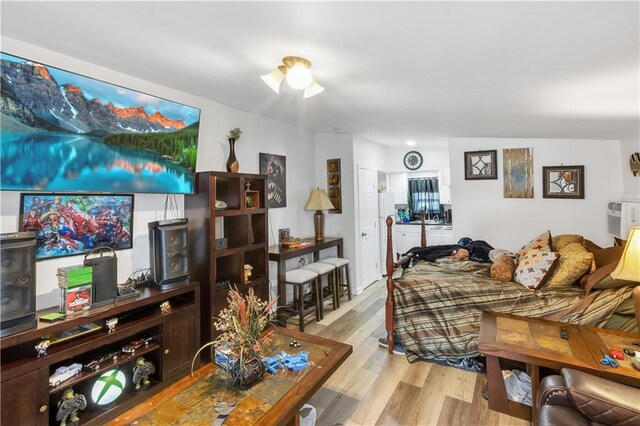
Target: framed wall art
column 334, row 184
column 275, row 167
column 71, row 224
column 517, row 168
column 480, row 165
column 563, row 182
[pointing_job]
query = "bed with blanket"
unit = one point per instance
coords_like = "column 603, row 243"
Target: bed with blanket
column 434, row 307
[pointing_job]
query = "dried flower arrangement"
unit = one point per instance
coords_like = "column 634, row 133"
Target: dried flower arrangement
column 234, row 133
column 242, row 324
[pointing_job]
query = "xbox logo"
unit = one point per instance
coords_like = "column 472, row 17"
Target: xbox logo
column 108, row 387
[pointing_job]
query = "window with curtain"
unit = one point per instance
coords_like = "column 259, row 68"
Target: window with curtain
column 424, row 194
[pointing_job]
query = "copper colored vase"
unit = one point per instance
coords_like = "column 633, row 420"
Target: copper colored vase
column 232, row 162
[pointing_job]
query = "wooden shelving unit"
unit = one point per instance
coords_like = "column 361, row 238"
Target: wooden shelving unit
column 246, row 231
column 27, row 397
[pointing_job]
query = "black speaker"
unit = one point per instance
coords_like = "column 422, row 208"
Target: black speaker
column 18, row 282
column 168, row 247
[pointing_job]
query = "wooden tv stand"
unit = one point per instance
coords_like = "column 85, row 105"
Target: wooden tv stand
column 27, row 397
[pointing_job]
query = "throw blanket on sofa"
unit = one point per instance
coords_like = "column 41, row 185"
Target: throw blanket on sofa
column 438, row 307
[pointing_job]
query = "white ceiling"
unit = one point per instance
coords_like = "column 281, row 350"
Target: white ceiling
column 393, row 72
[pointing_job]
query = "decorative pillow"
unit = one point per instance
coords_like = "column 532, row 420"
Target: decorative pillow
column 540, row 243
column 503, row 268
column 574, row 262
column 535, row 268
column 602, row 279
column 608, row 255
column 559, row 242
column 496, row 253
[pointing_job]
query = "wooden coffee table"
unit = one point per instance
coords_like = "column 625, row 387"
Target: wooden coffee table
column 275, row 399
column 537, row 343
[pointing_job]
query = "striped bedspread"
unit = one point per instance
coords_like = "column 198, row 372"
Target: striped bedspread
column 438, row 307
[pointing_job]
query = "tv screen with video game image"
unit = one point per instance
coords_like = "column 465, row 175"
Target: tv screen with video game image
column 71, row 224
column 61, row 131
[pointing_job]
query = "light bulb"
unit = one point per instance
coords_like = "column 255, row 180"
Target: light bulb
column 299, row 77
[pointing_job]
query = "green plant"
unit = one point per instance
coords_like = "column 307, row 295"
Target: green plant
column 234, row 133
column 242, row 324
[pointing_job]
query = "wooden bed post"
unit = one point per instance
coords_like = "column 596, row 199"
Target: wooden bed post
column 389, row 304
column 423, row 234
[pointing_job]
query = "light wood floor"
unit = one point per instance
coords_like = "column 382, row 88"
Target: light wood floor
column 372, row 387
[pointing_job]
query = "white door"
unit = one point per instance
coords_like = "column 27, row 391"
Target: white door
column 369, row 238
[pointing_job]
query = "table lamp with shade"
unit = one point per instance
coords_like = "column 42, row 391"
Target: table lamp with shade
column 318, row 201
column 629, row 267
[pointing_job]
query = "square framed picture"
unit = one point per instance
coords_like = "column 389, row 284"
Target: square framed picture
column 563, row 182
column 480, row 165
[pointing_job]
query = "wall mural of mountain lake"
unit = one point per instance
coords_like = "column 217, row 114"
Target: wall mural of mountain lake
column 61, row 131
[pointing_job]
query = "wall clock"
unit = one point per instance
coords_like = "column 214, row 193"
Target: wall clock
column 413, row 160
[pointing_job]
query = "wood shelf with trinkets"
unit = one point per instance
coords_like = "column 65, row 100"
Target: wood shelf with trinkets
column 176, row 334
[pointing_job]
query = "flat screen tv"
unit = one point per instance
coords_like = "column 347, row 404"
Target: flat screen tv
column 71, row 224
column 62, row 131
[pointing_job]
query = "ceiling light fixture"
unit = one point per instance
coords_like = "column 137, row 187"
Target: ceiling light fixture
column 410, row 143
column 298, row 76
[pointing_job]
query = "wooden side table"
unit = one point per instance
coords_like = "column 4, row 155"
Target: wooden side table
column 602, row 339
column 535, row 342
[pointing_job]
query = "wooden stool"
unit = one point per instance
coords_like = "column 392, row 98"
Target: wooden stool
column 323, row 269
column 340, row 264
column 299, row 279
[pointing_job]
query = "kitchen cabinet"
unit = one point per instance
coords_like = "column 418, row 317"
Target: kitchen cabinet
column 438, row 235
column 407, row 237
column 444, row 178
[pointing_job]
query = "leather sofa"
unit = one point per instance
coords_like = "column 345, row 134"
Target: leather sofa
column 577, row 398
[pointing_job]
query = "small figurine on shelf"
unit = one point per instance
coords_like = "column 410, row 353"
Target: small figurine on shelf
column 68, row 407
column 165, row 307
column 247, row 273
column 141, row 372
column 251, row 198
column 41, row 348
column 111, row 324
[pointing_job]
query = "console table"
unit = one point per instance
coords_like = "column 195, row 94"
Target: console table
column 537, row 343
column 281, row 254
column 27, row 397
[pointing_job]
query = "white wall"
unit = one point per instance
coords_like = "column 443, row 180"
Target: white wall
column 260, row 134
column 329, row 146
column 631, row 183
column 366, row 155
column 434, row 159
column 481, row 212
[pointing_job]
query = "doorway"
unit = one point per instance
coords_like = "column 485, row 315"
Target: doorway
column 368, row 227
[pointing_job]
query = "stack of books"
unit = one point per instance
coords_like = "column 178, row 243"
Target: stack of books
column 75, row 284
